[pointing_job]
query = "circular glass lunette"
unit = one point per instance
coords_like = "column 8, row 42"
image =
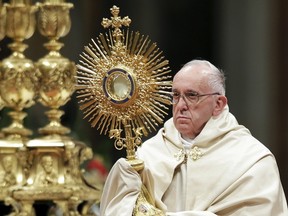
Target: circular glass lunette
column 118, row 86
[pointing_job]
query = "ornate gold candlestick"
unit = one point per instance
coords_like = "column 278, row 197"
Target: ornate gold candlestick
column 19, row 77
column 57, row 80
column 62, row 182
column 46, row 168
column 18, row 86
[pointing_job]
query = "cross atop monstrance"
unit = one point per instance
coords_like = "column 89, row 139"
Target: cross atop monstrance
column 123, row 86
column 116, row 22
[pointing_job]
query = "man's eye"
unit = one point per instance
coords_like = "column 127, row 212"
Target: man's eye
column 191, row 95
column 175, row 94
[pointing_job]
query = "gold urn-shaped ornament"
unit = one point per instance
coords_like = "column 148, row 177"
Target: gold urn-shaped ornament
column 57, row 72
column 19, row 76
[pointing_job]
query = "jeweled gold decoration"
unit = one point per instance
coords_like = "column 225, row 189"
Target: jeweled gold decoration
column 19, row 76
column 123, row 85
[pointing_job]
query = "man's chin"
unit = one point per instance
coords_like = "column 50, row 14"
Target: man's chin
column 183, row 128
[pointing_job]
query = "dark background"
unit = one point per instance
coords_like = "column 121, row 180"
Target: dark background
column 247, row 39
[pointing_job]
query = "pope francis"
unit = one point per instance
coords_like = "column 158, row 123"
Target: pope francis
column 202, row 162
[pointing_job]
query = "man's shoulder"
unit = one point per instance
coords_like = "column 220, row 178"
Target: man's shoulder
column 167, row 127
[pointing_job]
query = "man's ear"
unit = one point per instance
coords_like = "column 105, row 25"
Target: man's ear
column 220, row 104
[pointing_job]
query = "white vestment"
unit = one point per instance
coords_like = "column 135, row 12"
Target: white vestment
column 226, row 172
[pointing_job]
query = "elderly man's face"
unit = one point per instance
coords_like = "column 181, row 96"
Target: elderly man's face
column 190, row 118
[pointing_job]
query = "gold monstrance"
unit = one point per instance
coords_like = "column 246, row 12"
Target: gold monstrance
column 123, row 85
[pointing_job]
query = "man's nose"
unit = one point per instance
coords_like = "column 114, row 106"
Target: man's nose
column 182, row 102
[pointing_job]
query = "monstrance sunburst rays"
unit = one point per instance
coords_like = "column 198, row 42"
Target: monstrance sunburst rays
column 123, row 82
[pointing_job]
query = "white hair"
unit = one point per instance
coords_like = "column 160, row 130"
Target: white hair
column 216, row 78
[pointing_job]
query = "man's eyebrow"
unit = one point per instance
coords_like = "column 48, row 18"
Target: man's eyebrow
column 192, row 92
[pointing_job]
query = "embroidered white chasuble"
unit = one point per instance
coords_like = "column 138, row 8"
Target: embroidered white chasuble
column 228, row 172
